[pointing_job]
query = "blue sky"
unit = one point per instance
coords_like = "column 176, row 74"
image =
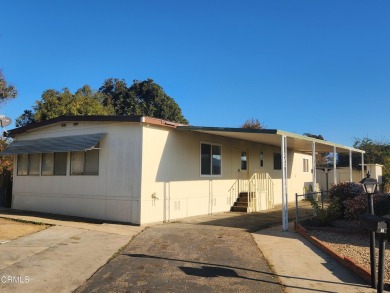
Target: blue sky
column 321, row 67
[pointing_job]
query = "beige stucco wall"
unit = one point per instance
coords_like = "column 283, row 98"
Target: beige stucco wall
column 173, row 188
column 112, row 195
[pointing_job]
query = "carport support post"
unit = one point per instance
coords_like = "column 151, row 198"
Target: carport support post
column 334, row 166
column 284, row 183
column 350, row 166
column 363, row 175
column 314, row 166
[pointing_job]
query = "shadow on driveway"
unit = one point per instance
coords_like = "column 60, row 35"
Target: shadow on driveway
column 213, row 253
column 251, row 222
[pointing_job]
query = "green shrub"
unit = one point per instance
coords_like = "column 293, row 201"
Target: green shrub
column 325, row 217
column 342, row 192
column 382, row 204
column 354, row 207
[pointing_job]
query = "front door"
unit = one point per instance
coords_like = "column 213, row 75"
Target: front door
column 244, row 165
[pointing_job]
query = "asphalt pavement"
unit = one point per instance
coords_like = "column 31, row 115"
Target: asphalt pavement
column 214, row 253
column 184, row 257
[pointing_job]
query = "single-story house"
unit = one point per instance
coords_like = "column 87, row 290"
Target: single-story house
column 140, row 170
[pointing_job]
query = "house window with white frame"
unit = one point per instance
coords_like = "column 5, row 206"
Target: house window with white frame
column 22, row 165
column 305, row 165
column 54, row 164
column 277, row 161
column 261, row 159
column 84, row 162
column 34, row 161
column 210, row 159
column 244, row 162
column 28, row 164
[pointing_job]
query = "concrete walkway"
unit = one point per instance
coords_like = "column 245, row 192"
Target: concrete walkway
column 302, row 267
column 60, row 258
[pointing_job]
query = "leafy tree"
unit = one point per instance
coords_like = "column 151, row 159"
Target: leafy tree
column 54, row 104
column 26, row 118
column 113, row 98
column 141, row 98
column 317, row 136
column 252, row 124
column 7, row 91
column 6, row 162
column 321, row 158
column 118, row 96
column 83, row 102
column 376, row 153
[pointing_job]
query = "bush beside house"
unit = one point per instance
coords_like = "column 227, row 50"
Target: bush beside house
column 347, row 201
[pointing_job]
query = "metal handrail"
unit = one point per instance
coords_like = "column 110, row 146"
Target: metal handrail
column 258, row 182
column 322, row 193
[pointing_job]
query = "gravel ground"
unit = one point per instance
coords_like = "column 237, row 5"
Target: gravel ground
column 349, row 240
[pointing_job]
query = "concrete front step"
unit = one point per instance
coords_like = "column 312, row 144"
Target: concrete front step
column 239, row 209
column 240, row 204
column 240, row 199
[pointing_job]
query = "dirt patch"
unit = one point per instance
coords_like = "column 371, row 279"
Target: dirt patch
column 10, row 229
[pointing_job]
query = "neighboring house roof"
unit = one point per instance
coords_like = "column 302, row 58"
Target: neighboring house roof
column 272, row 137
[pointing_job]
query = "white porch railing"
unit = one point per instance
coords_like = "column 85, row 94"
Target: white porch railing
column 263, row 191
column 260, row 190
column 241, row 185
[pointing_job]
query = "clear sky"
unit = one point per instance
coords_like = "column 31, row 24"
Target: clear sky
column 321, row 67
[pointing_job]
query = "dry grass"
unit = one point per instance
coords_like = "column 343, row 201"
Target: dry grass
column 10, row 229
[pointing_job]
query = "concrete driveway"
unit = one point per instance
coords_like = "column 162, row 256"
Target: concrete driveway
column 60, row 258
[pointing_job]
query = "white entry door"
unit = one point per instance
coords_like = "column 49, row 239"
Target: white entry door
column 244, row 165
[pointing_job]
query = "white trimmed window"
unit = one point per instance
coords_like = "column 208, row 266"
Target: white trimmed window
column 34, row 164
column 22, row 165
column 261, row 159
column 244, row 161
column 210, row 159
column 28, row 164
column 305, row 165
column 84, row 163
column 277, row 161
column 54, row 164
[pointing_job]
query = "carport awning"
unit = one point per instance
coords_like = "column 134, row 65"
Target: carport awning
column 272, row 137
column 54, row 144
